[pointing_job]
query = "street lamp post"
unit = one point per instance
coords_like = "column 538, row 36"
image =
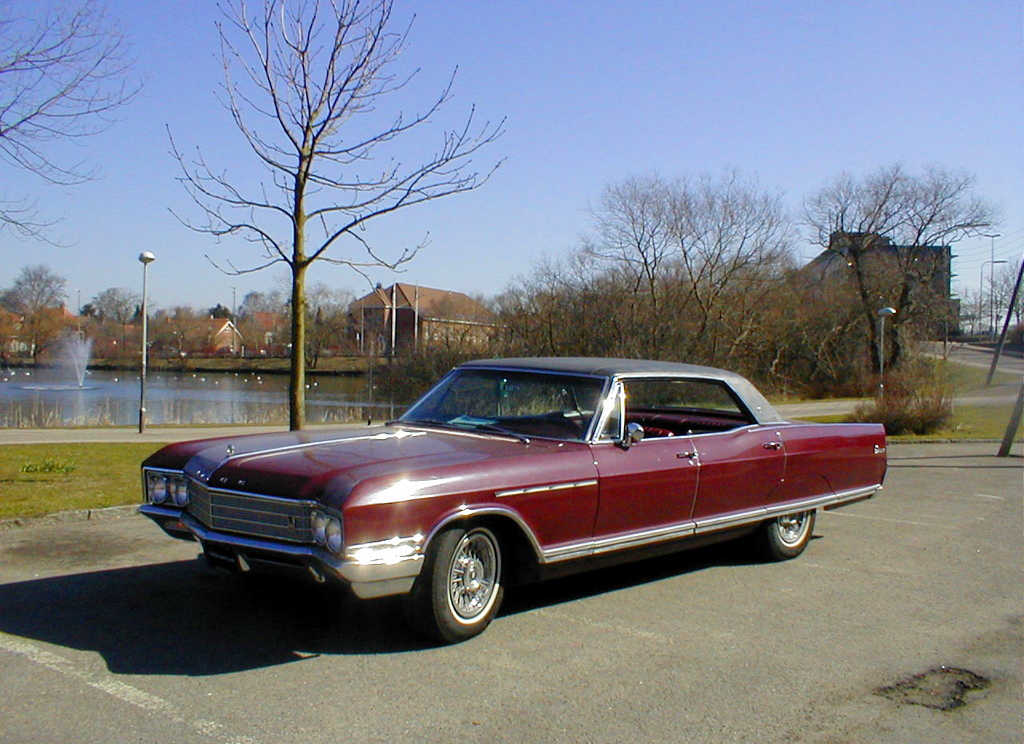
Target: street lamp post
column 145, row 258
column 991, row 294
column 883, row 313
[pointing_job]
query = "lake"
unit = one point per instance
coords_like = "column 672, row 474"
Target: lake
column 47, row 398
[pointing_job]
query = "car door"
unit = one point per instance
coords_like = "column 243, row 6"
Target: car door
column 740, row 470
column 647, row 490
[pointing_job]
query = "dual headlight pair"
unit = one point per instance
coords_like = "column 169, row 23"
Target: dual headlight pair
column 327, row 531
column 166, row 488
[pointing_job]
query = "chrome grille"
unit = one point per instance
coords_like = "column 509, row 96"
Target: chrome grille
column 248, row 514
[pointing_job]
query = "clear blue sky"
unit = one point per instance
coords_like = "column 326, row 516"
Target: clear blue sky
column 792, row 91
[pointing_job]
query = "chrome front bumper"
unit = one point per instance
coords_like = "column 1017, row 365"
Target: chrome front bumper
column 368, row 577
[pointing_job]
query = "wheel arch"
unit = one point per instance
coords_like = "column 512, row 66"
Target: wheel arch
column 519, row 546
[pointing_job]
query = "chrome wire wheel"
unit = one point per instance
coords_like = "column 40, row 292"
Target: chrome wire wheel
column 473, row 575
column 459, row 589
column 785, row 537
column 793, row 528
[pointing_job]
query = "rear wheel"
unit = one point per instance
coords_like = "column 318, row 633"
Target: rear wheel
column 787, row 536
column 459, row 589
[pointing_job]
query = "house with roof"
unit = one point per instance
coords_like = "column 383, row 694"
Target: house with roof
column 265, row 333
column 410, row 316
column 205, row 336
column 221, row 335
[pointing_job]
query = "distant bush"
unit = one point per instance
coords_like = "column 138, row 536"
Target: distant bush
column 49, row 465
column 410, row 373
column 916, row 400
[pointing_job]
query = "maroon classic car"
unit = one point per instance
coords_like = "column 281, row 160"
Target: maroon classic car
column 512, row 470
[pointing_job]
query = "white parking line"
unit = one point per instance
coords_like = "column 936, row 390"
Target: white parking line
column 887, row 519
column 617, row 629
column 989, row 496
column 117, row 689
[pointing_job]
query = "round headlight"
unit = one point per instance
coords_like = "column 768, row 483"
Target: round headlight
column 320, row 527
column 334, row 540
column 157, row 489
column 179, row 488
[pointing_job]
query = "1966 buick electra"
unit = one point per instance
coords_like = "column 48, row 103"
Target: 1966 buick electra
column 513, row 470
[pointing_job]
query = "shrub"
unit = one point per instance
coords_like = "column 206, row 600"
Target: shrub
column 916, row 400
column 49, row 465
column 409, row 374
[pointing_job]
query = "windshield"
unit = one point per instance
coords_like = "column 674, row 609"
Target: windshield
column 530, row 404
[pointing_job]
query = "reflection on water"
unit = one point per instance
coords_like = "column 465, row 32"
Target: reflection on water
column 41, row 399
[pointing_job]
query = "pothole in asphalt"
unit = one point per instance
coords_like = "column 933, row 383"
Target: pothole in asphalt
column 944, row 688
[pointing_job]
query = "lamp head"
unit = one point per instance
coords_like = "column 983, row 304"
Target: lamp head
column 146, row 257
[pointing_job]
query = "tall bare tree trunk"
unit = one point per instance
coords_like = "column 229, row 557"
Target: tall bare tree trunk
column 297, row 376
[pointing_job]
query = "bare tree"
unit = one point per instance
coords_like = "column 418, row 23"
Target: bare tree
column 63, row 74
column 180, row 332
column 116, row 304
column 882, row 228
column 115, row 307
column 633, row 226
column 1005, row 281
column 328, row 321
column 37, row 297
column 691, row 262
column 305, row 83
column 734, row 241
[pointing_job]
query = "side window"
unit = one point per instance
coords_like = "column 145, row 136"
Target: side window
column 702, row 395
column 682, row 407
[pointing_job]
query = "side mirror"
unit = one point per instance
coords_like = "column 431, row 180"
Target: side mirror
column 634, row 435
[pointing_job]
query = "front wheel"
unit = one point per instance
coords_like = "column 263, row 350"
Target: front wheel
column 459, row 589
column 787, row 536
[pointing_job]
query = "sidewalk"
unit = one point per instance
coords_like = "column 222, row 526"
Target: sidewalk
column 155, row 434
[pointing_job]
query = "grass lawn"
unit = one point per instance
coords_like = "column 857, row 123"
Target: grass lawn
column 40, row 479
column 969, row 422
column 979, row 422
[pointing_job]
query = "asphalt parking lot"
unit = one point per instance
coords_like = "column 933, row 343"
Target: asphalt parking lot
column 902, row 606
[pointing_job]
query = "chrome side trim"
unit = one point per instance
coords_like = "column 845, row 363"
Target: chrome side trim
column 852, row 497
column 690, row 528
column 546, row 488
column 621, row 542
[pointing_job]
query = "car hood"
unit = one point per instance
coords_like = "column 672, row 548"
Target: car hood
column 326, row 466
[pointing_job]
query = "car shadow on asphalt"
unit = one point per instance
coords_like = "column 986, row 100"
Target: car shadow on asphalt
column 183, row 619
column 628, row 575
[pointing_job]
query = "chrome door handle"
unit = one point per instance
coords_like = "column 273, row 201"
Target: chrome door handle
column 773, row 445
column 687, row 455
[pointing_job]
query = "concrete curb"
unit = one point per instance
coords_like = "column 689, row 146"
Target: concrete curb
column 74, row 515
